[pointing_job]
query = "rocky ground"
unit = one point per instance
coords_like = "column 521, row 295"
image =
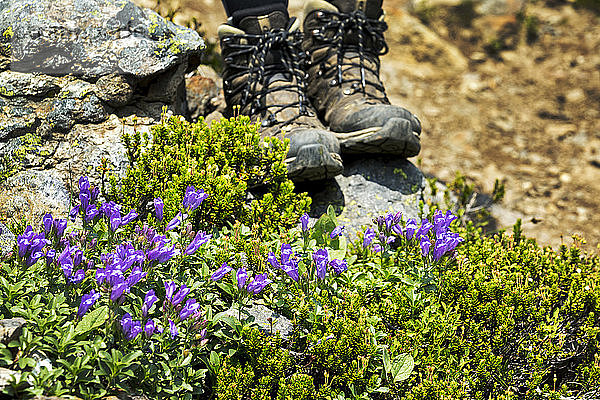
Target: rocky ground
column 493, row 103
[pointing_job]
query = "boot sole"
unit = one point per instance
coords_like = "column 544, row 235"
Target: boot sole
column 391, row 138
column 314, row 162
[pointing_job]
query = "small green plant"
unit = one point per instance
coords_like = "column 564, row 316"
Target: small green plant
column 227, row 160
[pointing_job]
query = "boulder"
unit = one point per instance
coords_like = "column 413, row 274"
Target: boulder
column 74, row 76
column 93, row 38
column 370, row 187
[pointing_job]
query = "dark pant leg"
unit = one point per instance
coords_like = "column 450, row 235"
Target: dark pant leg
column 233, row 6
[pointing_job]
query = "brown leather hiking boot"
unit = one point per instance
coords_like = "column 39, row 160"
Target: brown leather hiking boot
column 263, row 76
column 343, row 40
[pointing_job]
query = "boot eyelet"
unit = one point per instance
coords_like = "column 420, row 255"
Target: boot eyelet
column 347, row 92
column 333, row 82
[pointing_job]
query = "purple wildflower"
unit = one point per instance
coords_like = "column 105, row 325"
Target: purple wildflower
column 117, row 291
column 221, row 272
column 173, row 329
column 91, row 213
column 131, row 215
column 131, row 328
column 175, row 222
column 272, row 259
column 320, row 258
column 170, row 288
column 87, row 301
column 149, row 328
column 180, row 295
column 137, row 274
column 258, row 284
column 191, row 307
column 149, row 300
column 337, row 231
column 376, row 247
column 425, row 244
column 242, row 276
column 368, row 237
column 59, row 227
column 410, row 229
column 77, row 277
column 73, row 213
column 47, row 222
column 159, row 207
column 193, row 198
column 100, row 276
column 338, row 266
column 200, row 239
column 304, row 221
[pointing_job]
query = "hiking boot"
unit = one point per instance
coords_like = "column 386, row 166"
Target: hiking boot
column 263, row 78
column 343, row 41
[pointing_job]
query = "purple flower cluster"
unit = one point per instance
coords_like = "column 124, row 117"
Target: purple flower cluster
column 112, row 212
column 444, row 241
column 321, row 260
column 68, row 260
column 254, row 287
column 288, row 264
column 125, row 258
column 193, row 198
column 30, row 245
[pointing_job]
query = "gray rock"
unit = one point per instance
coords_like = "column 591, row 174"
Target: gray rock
column 7, row 376
column 10, row 329
column 7, row 240
column 115, row 90
column 32, row 193
column 19, row 84
column 266, row 319
column 82, row 73
column 93, row 38
column 370, row 187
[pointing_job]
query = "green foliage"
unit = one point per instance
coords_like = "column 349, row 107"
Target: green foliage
column 297, row 387
column 496, row 317
column 226, row 160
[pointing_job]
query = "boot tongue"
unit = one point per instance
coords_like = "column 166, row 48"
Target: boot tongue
column 256, row 25
column 371, row 8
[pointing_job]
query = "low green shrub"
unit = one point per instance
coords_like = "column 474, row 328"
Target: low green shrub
column 418, row 310
column 226, row 159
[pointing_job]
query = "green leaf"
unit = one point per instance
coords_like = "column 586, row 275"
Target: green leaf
column 131, row 356
column 214, row 359
column 92, row 320
column 403, row 367
column 386, row 361
column 331, row 213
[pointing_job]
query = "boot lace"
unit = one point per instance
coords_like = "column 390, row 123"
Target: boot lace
column 334, row 28
column 255, row 48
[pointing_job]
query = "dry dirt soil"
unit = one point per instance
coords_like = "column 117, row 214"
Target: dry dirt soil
column 528, row 115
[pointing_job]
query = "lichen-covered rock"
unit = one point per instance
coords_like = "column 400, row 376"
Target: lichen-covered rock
column 74, row 76
column 92, row 38
column 7, row 240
